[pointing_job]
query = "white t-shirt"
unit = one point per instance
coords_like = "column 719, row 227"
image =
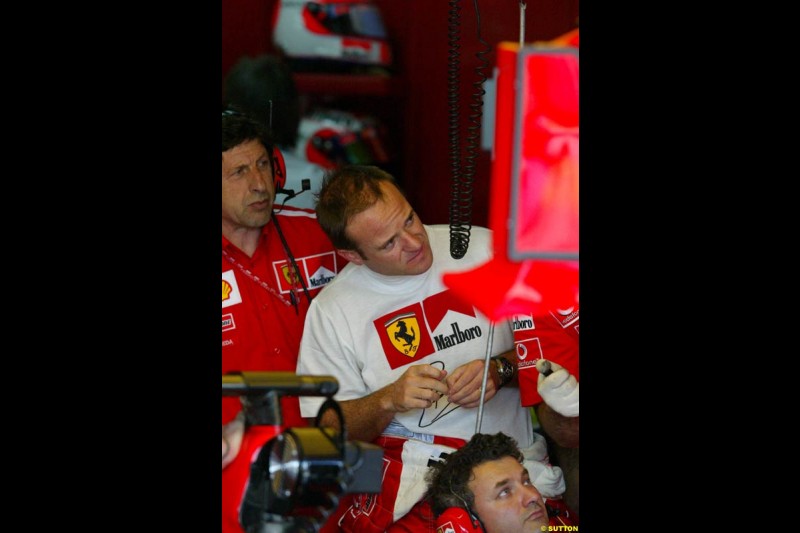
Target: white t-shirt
column 365, row 328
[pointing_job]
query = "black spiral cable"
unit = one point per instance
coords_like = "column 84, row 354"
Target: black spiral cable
column 459, row 240
column 462, row 179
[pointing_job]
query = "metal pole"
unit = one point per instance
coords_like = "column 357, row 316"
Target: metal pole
column 486, row 363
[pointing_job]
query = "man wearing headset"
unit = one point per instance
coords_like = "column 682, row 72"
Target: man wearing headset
column 274, row 262
column 484, row 487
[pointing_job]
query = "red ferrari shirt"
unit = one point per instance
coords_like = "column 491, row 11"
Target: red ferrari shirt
column 261, row 327
column 552, row 336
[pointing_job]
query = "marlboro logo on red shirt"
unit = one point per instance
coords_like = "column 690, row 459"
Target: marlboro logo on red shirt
column 316, row 270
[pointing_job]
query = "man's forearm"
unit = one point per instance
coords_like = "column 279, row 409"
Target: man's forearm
column 562, row 429
column 364, row 418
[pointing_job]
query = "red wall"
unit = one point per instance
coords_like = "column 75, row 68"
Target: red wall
column 418, row 32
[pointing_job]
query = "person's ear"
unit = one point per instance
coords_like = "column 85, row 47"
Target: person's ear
column 351, row 255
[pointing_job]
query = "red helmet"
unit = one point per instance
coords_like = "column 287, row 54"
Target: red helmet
column 337, row 30
column 332, row 137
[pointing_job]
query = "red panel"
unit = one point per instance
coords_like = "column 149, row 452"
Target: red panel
column 503, row 144
column 543, row 219
column 534, row 172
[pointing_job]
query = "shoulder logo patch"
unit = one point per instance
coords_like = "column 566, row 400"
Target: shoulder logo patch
column 230, row 290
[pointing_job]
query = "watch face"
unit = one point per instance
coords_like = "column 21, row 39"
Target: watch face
column 503, row 370
column 509, row 370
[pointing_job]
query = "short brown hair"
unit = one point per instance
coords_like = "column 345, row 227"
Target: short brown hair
column 347, row 191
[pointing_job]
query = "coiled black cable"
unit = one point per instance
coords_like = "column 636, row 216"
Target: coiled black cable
column 462, row 178
column 459, row 236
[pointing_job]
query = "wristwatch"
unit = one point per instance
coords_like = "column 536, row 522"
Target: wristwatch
column 505, row 369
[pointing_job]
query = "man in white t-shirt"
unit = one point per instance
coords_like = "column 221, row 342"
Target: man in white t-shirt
column 408, row 355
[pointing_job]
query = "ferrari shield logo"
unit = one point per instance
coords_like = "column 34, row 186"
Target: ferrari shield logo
column 289, row 274
column 403, row 332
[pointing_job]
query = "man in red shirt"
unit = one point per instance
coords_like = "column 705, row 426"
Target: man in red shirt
column 553, row 336
column 274, row 261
